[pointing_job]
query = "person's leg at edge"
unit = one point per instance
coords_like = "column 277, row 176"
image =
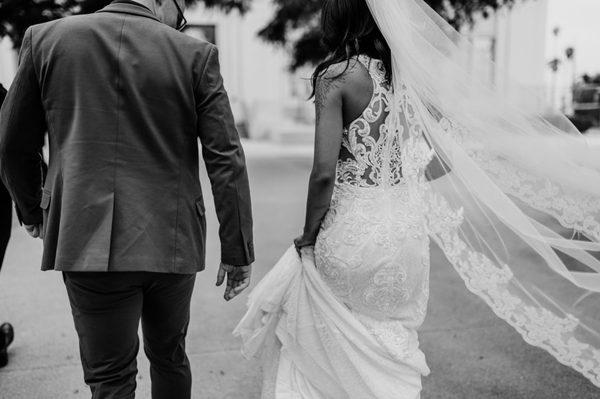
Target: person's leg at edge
column 7, row 333
column 5, row 220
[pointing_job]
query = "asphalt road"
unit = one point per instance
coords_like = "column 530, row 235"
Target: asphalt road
column 472, row 354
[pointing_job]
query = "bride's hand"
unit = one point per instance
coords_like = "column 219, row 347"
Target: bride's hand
column 302, row 242
column 35, row 231
column 238, row 279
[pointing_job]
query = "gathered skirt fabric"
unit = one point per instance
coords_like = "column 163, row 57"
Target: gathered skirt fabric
column 341, row 320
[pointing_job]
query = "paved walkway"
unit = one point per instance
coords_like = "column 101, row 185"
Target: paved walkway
column 473, row 355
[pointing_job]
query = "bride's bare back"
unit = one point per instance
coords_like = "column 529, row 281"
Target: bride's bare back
column 342, row 95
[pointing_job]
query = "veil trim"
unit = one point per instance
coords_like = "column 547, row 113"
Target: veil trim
column 577, row 212
column 538, row 326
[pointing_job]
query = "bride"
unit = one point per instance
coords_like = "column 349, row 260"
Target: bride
column 412, row 146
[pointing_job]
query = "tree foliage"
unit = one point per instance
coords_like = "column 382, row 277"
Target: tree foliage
column 295, row 23
column 17, row 15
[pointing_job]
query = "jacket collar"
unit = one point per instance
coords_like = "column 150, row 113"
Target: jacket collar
column 129, row 7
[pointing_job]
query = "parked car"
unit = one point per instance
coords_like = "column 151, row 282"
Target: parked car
column 586, row 105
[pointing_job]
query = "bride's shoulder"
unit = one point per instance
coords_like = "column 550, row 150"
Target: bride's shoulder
column 348, row 75
column 351, row 69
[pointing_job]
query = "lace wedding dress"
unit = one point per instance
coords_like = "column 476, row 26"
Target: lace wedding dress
column 516, row 215
column 342, row 321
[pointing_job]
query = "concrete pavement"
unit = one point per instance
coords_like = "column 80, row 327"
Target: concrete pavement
column 472, row 354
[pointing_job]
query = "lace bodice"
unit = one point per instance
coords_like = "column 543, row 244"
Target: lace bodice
column 370, row 154
column 372, row 248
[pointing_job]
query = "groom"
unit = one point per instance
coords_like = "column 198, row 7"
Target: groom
column 124, row 97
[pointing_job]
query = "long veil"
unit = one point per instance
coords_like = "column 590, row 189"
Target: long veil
column 517, row 210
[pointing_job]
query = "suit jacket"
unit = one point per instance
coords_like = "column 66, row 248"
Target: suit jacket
column 124, row 99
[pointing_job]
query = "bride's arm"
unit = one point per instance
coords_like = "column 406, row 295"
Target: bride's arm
column 437, row 168
column 328, row 140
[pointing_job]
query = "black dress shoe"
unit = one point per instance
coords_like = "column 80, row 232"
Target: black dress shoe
column 7, row 335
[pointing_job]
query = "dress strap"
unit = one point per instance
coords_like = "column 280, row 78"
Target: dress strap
column 375, row 67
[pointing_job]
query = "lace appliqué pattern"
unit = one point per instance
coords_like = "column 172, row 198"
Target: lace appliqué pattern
column 375, row 255
column 491, row 282
column 375, row 155
column 373, row 250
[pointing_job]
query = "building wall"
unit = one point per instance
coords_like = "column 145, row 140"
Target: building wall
column 246, row 62
column 264, row 93
column 523, row 43
column 269, row 99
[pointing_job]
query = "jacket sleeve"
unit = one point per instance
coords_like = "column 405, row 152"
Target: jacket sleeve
column 226, row 165
column 22, row 130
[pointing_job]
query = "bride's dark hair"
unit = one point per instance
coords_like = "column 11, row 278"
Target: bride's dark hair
column 349, row 30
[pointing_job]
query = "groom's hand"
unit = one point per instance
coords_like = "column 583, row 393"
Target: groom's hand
column 238, row 279
column 35, row 230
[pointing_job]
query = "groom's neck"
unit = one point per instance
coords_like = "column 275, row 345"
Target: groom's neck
column 151, row 4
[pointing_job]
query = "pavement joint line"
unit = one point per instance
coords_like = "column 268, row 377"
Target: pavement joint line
column 78, row 363
column 35, row 368
column 216, row 351
column 450, row 329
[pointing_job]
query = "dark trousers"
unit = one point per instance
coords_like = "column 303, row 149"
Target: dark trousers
column 5, row 220
column 107, row 309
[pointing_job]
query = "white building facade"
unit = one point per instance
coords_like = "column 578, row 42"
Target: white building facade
column 270, row 101
column 524, row 40
column 520, row 40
